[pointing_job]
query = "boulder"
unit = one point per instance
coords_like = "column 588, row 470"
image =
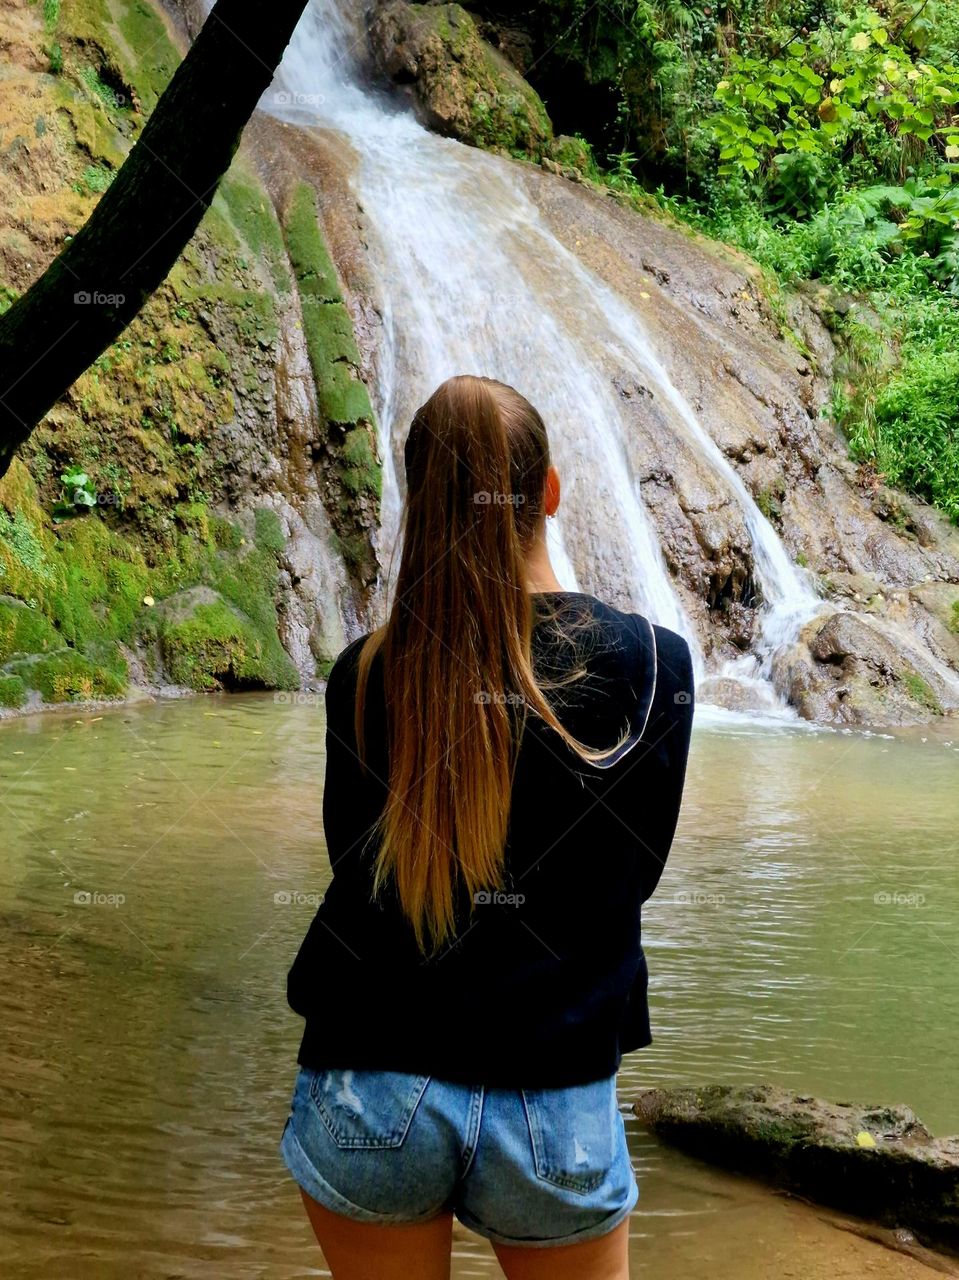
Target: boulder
column 851, row 669
column 877, row 1162
column 459, row 85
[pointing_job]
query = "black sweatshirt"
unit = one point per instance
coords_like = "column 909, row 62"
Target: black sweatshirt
column 545, row 984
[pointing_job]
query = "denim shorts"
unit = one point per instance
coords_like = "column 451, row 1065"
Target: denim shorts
column 534, row 1167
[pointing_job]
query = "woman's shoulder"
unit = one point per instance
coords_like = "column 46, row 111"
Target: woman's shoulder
column 640, row 637
column 341, row 678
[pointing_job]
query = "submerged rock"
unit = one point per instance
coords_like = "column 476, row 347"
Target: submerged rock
column 878, row 1162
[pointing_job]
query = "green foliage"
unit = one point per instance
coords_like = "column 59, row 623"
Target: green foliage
column 820, row 95
column 77, row 495
column 912, row 433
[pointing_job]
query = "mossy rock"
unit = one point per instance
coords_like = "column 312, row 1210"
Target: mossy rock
column 210, row 645
column 24, row 630
column 69, row 676
column 460, row 85
column 876, row 1161
column 351, row 469
column 573, row 156
column 13, row 692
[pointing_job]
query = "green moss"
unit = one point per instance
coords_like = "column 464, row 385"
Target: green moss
column 219, row 648
column 312, row 265
column 768, row 502
column 253, row 216
column 574, row 153
column 24, row 630
column 226, row 535
column 362, row 469
column 87, row 584
column 954, row 620
column 147, row 421
column 920, row 692
column 13, row 692
column 329, row 332
column 499, row 109
column 342, row 398
column 20, row 548
column 71, row 677
column 268, row 534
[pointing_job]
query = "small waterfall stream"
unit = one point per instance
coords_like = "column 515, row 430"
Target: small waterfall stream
column 472, row 280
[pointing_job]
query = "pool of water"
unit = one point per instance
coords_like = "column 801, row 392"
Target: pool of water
column 161, row 862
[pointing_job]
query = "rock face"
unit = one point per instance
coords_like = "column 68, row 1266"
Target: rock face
column 848, row 670
column 880, row 1163
column 459, row 85
column 223, row 478
column 886, row 562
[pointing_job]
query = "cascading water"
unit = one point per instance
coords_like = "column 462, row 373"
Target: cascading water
column 472, row 280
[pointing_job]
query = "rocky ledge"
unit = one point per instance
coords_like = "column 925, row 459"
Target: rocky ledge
column 879, row 1163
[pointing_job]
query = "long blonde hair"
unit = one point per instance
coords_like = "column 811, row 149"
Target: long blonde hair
column 456, row 648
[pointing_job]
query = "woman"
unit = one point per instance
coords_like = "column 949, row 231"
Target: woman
column 504, row 769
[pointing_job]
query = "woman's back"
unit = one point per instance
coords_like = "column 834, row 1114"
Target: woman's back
column 504, row 769
column 544, row 983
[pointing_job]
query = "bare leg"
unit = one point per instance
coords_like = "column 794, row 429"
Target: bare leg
column 367, row 1251
column 602, row 1259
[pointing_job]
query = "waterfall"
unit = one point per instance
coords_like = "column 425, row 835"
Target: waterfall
column 474, row 281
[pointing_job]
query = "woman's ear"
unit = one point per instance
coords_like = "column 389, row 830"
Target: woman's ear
column 552, row 492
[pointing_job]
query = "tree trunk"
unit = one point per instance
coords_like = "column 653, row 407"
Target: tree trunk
column 96, row 286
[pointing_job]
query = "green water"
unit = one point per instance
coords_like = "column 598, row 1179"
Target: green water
column 806, row 932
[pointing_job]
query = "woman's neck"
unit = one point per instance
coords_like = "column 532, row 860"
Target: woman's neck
column 539, row 570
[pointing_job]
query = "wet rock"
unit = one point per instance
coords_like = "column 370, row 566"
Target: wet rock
column 935, row 616
column 459, row 85
column 859, row 587
column 877, row 1162
column 856, row 670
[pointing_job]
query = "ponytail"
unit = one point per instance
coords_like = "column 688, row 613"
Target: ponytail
column 456, row 649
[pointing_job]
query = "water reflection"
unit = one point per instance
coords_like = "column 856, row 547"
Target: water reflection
column 160, row 864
